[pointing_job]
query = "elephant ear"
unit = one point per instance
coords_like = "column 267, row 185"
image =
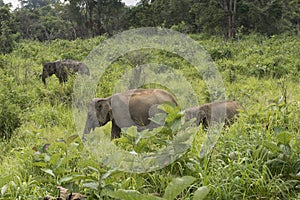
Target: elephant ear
column 103, row 110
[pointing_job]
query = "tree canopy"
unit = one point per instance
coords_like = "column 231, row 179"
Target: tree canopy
column 51, row 19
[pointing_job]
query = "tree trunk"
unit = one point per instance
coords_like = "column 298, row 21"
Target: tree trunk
column 230, row 10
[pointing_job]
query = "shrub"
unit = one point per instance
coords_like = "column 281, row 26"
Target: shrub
column 9, row 119
column 9, row 109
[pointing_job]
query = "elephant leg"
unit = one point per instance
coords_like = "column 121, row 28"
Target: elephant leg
column 115, row 130
column 62, row 76
column 205, row 123
column 60, row 80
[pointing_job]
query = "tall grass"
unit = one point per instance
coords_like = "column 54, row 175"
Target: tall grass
column 255, row 158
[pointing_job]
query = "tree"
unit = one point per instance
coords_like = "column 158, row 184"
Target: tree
column 209, row 16
column 111, row 16
column 230, row 10
column 51, row 19
column 8, row 34
column 34, row 4
column 97, row 17
column 262, row 15
column 140, row 15
column 29, row 25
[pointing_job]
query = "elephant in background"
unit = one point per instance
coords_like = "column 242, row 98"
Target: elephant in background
column 130, row 108
column 62, row 68
column 215, row 111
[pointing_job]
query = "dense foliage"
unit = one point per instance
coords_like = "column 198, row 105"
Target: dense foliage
column 256, row 158
column 48, row 20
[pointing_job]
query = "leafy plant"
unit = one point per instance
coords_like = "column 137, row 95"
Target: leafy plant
column 175, row 187
column 170, row 123
column 255, row 158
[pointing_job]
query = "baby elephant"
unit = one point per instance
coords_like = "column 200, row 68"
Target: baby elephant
column 215, row 111
column 62, row 68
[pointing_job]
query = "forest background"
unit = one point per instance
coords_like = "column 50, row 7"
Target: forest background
column 53, row 19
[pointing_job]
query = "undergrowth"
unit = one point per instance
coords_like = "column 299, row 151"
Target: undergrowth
column 256, row 158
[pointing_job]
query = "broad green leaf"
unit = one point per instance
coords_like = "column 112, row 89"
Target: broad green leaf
column 147, row 134
column 190, row 123
column 177, row 185
column 201, row 193
column 184, row 136
column 88, row 163
column 271, row 146
column 168, row 108
column 92, row 185
column 55, row 158
column 40, row 164
column 48, row 171
column 284, row 137
column 132, row 195
column 172, row 117
column 159, row 118
column 66, row 179
column 131, row 131
column 176, row 125
column 108, row 173
column 93, row 169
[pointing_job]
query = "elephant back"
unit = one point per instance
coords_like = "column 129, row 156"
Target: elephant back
column 135, row 107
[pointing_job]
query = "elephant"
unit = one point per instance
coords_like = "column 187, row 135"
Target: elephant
column 214, row 111
column 62, row 68
column 131, row 108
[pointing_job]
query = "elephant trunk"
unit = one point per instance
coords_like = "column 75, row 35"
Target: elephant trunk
column 87, row 129
column 91, row 123
column 45, row 74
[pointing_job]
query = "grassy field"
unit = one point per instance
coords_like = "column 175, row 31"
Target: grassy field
column 258, row 157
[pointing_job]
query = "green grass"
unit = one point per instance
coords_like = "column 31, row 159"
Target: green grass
column 256, row 158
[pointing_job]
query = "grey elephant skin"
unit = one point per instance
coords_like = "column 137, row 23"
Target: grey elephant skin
column 62, row 69
column 215, row 111
column 130, row 108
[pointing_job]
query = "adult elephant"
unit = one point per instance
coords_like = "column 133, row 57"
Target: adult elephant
column 62, row 68
column 215, row 111
column 130, row 108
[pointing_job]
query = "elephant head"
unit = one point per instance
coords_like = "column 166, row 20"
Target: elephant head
column 100, row 112
column 199, row 113
column 49, row 68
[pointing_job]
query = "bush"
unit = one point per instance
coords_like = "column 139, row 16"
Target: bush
column 9, row 119
column 255, row 158
column 7, row 33
column 9, row 109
